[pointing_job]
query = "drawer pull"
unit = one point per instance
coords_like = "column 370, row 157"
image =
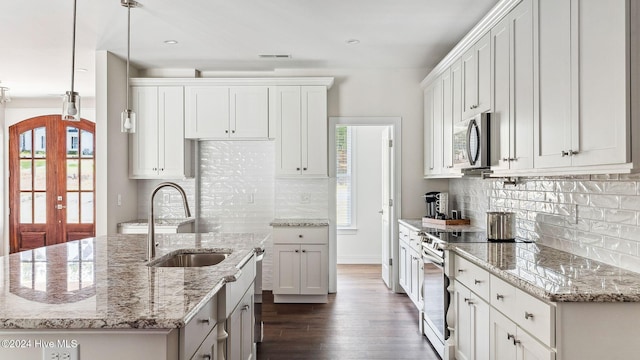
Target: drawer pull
column 528, row 315
column 304, row 251
column 515, row 342
column 300, row 236
column 206, row 321
column 468, row 301
column 460, row 270
column 245, row 308
column 476, row 281
column 510, row 336
column 206, row 357
column 499, row 297
column 297, row 250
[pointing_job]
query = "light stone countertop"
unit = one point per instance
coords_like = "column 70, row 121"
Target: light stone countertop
column 158, row 222
column 104, row 283
column 300, row 222
column 551, row 274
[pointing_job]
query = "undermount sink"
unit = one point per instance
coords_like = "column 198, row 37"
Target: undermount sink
column 190, row 260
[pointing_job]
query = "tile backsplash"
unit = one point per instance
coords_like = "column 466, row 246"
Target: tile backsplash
column 595, row 216
column 240, row 193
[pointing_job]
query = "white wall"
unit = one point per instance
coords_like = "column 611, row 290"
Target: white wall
column 112, row 177
column 364, row 244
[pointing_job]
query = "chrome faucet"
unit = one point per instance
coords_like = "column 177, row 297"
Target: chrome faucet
column 151, row 246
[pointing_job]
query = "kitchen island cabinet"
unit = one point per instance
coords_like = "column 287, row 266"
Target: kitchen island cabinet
column 115, row 306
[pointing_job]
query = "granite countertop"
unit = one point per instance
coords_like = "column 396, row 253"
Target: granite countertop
column 416, row 225
column 551, row 274
column 158, row 222
column 104, row 283
column 300, row 222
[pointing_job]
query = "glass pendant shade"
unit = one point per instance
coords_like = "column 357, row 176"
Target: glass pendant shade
column 128, row 122
column 71, row 106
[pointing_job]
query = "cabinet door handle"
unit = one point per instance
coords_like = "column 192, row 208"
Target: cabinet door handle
column 305, row 169
column 515, row 342
column 245, row 308
column 297, row 250
column 476, row 281
column 573, row 152
column 226, row 131
column 505, row 159
column 233, row 131
column 300, row 236
column 513, row 159
column 206, row 357
column 206, row 321
column 564, row 153
column 460, row 270
column 298, row 169
column 304, row 251
column 510, row 336
column 499, row 297
column 528, row 315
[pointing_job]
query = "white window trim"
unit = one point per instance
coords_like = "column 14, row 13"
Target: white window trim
column 352, row 229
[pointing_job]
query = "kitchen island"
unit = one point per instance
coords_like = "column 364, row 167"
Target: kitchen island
column 99, row 296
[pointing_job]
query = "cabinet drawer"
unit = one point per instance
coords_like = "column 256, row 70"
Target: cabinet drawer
column 536, row 317
column 301, row 235
column 197, row 329
column 503, row 296
column 415, row 241
column 404, row 233
column 472, row 276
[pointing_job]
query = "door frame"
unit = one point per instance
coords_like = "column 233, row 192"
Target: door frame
column 396, row 127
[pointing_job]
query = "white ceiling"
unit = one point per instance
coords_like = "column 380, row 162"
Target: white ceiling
column 225, row 35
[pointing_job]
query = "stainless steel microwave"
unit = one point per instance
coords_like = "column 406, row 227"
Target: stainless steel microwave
column 471, row 142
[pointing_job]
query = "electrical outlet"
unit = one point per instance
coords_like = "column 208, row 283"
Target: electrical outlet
column 119, row 200
column 61, row 353
column 305, row 198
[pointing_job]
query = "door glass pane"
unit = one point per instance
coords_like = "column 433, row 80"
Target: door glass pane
column 73, row 209
column 40, row 208
column 87, row 207
column 25, row 144
column 73, row 178
column 40, row 276
column 87, row 174
column 87, row 249
column 25, row 208
column 87, row 275
column 72, row 141
column 86, row 143
column 40, row 176
column 26, row 275
column 40, row 142
column 25, row 174
column 40, row 254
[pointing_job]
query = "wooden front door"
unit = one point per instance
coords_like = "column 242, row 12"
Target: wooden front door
column 51, row 182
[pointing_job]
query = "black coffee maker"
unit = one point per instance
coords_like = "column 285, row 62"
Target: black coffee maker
column 431, row 199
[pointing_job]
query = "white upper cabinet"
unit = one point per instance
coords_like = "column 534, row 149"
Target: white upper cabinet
column 158, row 147
column 584, row 80
column 476, row 78
column 227, row 112
column 447, row 121
column 512, row 90
column 301, row 131
column 433, row 130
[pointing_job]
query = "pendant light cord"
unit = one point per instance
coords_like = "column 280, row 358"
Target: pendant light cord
column 128, row 46
column 73, row 49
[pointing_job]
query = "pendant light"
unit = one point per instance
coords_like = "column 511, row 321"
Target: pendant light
column 128, row 117
column 71, row 99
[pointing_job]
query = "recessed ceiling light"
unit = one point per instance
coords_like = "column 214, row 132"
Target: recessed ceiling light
column 275, row 56
column 353, row 41
column 171, row 42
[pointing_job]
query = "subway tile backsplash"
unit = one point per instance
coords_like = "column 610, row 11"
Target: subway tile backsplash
column 596, row 216
column 239, row 193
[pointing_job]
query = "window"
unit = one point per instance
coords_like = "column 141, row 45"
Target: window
column 345, row 179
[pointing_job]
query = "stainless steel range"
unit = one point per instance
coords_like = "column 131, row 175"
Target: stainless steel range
column 434, row 289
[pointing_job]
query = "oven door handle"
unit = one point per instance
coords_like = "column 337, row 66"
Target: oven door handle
column 427, row 256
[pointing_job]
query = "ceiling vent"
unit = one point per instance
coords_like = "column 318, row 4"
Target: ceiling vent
column 274, row 56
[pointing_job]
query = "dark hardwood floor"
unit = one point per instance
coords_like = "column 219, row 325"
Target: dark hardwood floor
column 364, row 320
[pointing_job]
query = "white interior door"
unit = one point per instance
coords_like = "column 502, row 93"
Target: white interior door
column 386, row 201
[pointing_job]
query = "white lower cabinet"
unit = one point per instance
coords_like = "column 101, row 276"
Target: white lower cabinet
column 411, row 266
column 301, row 263
column 240, row 329
column 471, row 332
column 510, row 342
